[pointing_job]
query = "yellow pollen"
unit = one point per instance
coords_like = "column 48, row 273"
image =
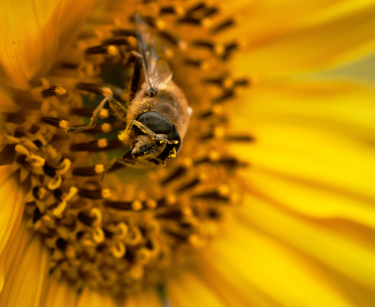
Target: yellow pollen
column 182, row 45
column 64, row 124
column 196, row 241
column 218, row 109
column 151, row 203
column 137, row 205
column 205, row 65
column 228, row 83
column 179, row 10
column 171, row 200
column 187, row 211
column 132, row 41
column 99, row 168
column 219, row 132
column 160, row 24
column 112, row 50
column 106, row 193
column 106, row 127
column 104, row 113
column 206, row 22
column 223, row 190
column 60, row 91
column 204, row 176
column 219, row 49
column 188, row 162
column 214, row 155
column 136, row 272
column 102, row 143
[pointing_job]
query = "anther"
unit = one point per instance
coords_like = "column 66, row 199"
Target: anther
column 117, row 41
column 189, row 185
column 226, row 95
column 97, row 214
column 171, row 9
column 229, row 49
column 94, row 88
column 102, row 49
column 120, row 205
column 56, row 122
column 174, row 39
column 95, row 194
column 216, row 196
column 180, row 171
column 59, row 209
column 89, row 170
column 98, row 235
column 53, row 91
column 98, row 145
column 65, row 167
column 124, row 32
column 222, row 26
column 239, row 138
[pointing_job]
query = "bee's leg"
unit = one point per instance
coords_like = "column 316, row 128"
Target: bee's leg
column 93, row 120
column 118, row 109
column 129, row 131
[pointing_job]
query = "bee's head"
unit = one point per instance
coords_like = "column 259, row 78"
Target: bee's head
column 146, row 147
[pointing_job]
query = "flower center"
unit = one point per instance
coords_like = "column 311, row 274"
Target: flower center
column 137, row 225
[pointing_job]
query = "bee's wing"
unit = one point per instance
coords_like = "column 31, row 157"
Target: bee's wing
column 156, row 68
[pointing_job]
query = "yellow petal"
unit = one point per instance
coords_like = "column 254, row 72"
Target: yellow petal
column 33, row 35
column 251, row 260
column 94, row 298
column 289, row 40
column 59, row 294
column 313, row 152
column 188, row 290
column 146, row 298
column 347, row 251
column 11, row 209
column 26, row 279
column 8, row 99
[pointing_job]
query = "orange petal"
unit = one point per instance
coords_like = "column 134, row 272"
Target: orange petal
column 33, row 35
column 27, row 275
column 11, row 209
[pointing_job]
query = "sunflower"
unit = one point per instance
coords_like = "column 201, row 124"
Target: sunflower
column 269, row 202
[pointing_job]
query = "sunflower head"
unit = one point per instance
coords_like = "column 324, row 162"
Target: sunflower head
column 136, row 226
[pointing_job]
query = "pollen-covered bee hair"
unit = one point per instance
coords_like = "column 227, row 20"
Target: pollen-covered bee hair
column 157, row 116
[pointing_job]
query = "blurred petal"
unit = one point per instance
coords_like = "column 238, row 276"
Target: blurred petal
column 249, row 259
column 189, row 290
column 313, row 151
column 284, row 38
column 59, row 294
column 93, row 298
column 26, row 272
column 33, row 35
column 11, row 210
column 146, row 298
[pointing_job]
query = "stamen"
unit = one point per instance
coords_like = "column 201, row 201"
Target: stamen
column 56, row 122
column 223, row 26
column 95, row 194
column 171, row 9
column 180, row 171
column 102, row 49
column 94, row 88
column 98, row 145
column 88, row 112
column 174, row 39
column 89, row 170
column 53, row 91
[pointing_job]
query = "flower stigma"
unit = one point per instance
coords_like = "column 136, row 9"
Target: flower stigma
column 120, row 228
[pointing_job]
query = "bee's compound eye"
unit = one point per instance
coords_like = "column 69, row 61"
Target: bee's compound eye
column 173, row 127
column 155, row 121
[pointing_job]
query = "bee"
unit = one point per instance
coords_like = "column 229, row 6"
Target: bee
column 157, row 117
